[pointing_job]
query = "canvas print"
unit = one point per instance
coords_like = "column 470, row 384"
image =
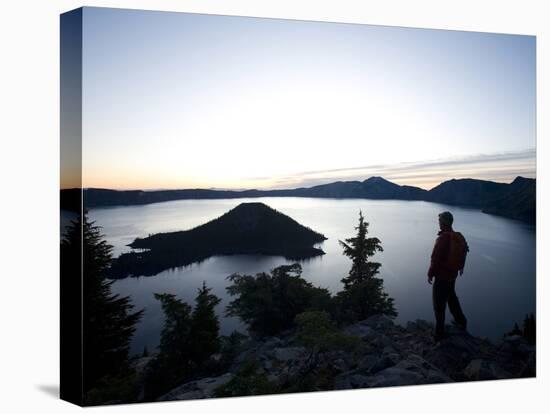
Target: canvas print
column 263, row 206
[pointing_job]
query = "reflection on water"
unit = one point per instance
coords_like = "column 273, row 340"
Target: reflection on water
column 496, row 290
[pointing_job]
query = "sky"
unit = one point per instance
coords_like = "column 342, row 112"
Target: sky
column 175, row 100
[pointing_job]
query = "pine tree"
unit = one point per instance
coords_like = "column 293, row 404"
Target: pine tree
column 205, row 326
column 363, row 293
column 515, row 330
column 529, row 329
column 173, row 362
column 359, row 249
column 188, row 339
column 108, row 319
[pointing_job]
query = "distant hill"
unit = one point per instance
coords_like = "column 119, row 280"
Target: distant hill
column 373, row 188
column 376, row 188
column 466, row 192
column 249, row 228
column 516, row 200
column 380, row 188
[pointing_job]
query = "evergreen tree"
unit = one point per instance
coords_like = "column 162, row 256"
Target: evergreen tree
column 530, row 329
column 108, row 319
column 515, row 330
column 205, row 326
column 363, row 293
column 188, row 339
column 173, row 362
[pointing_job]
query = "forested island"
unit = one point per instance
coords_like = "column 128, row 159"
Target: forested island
column 249, row 228
column 516, row 200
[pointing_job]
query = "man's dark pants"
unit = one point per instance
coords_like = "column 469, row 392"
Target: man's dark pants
column 443, row 293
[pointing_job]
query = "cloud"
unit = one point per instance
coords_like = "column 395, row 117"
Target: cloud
column 500, row 167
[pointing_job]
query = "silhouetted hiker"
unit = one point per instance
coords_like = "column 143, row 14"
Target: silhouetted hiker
column 448, row 259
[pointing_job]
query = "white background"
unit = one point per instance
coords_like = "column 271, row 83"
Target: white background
column 29, row 163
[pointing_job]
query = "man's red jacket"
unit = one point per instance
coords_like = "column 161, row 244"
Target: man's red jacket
column 440, row 254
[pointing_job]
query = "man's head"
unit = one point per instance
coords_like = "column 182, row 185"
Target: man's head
column 445, row 219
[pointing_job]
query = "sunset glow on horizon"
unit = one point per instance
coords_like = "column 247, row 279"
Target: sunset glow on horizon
column 202, row 101
column 499, row 168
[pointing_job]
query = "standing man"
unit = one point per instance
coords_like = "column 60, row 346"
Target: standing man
column 447, row 261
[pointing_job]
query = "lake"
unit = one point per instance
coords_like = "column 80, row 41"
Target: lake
column 496, row 290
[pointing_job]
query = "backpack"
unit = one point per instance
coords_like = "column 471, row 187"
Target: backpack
column 458, row 250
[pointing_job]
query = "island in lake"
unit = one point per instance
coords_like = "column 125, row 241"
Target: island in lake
column 249, row 228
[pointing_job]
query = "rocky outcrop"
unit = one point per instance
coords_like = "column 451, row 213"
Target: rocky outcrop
column 203, row 388
column 386, row 355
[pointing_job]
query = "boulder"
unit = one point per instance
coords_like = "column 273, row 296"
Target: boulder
column 418, row 364
column 419, row 325
column 371, row 363
column 382, row 363
column 382, row 341
column 480, row 369
column 141, row 364
column 453, row 353
column 203, row 388
column 339, row 365
column 391, row 377
column 383, row 372
column 272, row 342
column 346, row 382
column 290, row 353
column 410, row 371
column 380, row 322
column 362, row 331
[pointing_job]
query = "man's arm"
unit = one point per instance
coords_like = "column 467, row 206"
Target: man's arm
column 439, row 253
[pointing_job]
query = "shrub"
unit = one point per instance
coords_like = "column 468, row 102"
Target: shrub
column 268, row 303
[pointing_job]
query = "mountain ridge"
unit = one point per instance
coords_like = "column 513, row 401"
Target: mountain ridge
column 516, row 200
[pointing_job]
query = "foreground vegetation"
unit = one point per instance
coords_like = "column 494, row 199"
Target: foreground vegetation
column 108, row 320
column 324, row 330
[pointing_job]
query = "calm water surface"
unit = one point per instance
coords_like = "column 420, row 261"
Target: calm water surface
column 496, row 290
